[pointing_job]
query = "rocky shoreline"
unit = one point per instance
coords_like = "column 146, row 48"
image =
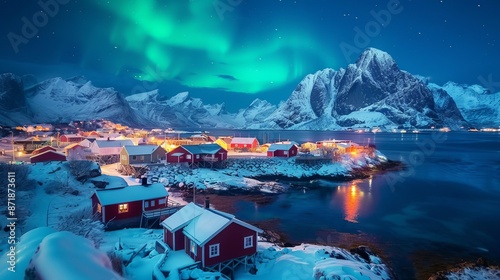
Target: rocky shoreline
column 268, row 175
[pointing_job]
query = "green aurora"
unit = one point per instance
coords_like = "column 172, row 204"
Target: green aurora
column 190, row 42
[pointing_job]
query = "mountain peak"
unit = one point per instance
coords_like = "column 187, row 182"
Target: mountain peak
column 372, row 55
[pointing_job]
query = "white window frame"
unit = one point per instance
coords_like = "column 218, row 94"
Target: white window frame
column 192, row 247
column 146, row 204
column 153, row 203
column 248, row 244
column 188, row 156
column 214, row 250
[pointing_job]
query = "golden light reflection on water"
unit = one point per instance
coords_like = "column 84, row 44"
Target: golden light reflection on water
column 352, row 198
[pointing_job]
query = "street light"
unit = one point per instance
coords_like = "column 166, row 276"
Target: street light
column 12, row 141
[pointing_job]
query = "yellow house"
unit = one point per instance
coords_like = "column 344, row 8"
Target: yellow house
column 224, row 142
column 310, row 146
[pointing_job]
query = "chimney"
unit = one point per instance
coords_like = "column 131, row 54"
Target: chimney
column 207, row 202
column 144, row 181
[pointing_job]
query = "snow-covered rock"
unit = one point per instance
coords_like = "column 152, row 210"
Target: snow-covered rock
column 308, row 261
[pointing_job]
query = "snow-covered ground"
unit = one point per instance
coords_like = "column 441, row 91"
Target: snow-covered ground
column 308, row 261
column 239, row 173
column 305, row 261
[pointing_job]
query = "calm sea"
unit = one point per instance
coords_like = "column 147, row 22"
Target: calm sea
column 443, row 209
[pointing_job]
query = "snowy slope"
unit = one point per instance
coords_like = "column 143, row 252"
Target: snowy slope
column 478, row 106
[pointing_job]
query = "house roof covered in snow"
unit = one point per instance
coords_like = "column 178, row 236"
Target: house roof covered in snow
column 131, row 193
column 182, row 217
column 140, row 149
column 73, row 146
column 209, row 149
column 201, row 224
column 243, row 140
column 280, row 147
column 48, row 152
column 113, row 143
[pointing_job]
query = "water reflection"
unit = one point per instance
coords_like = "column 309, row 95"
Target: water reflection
column 352, row 199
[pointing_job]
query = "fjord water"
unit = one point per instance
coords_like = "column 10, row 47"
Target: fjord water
column 444, row 208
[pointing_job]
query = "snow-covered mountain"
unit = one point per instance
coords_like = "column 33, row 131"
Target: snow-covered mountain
column 255, row 113
column 57, row 100
column 479, row 107
column 371, row 92
column 180, row 110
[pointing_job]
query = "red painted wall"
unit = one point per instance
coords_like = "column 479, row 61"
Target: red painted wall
column 281, row 153
column 187, row 249
column 173, row 159
column 64, row 138
column 157, row 204
column 170, row 238
column 231, row 241
column 254, row 145
column 47, row 157
column 134, row 210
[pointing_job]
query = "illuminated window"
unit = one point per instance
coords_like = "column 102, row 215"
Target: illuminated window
column 123, row 208
column 99, row 208
column 248, row 242
column 214, row 250
column 192, row 246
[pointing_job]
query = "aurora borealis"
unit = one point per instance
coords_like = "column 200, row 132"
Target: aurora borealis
column 225, row 48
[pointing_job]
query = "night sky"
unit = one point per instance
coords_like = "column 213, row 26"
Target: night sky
column 234, row 51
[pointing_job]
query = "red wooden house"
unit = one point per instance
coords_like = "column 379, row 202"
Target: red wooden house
column 43, row 149
column 48, row 155
column 282, row 150
column 127, row 206
column 210, row 236
column 71, row 138
column 195, row 154
column 244, row 143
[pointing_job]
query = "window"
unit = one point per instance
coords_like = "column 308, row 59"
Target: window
column 188, row 156
column 99, row 208
column 197, row 156
column 192, row 246
column 134, row 157
column 153, row 203
column 163, row 201
column 248, row 242
column 146, row 204
column 285, row 153
column 214, row 250
column 123, row 208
